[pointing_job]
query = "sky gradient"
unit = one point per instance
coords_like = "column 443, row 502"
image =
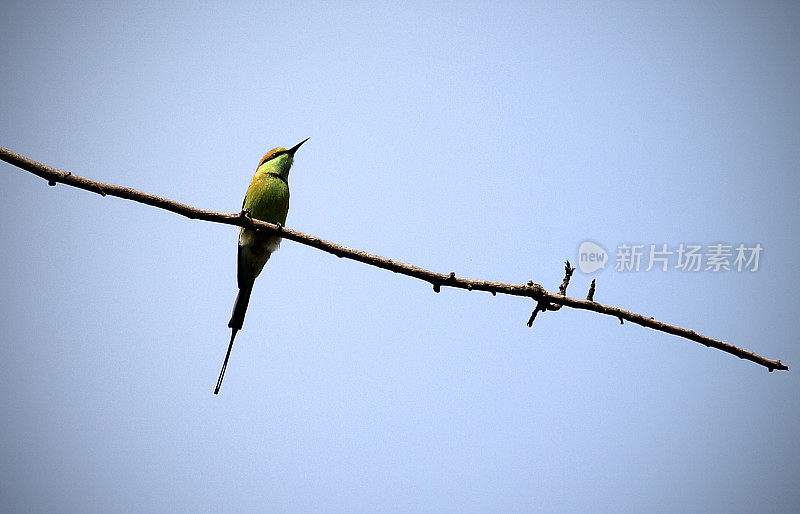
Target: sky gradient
column 486, row 139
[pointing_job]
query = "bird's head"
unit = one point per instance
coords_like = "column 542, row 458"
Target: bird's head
column 279, row 160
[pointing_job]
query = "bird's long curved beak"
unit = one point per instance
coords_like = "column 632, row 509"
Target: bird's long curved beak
column 293, row 149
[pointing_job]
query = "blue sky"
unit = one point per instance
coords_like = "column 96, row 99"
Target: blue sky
column 486, row 139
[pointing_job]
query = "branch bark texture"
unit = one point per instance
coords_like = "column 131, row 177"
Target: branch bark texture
column 437, row 280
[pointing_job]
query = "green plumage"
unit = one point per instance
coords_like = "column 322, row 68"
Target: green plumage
column 267, row 199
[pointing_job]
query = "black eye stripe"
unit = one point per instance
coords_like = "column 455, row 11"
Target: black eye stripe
column 276, row 154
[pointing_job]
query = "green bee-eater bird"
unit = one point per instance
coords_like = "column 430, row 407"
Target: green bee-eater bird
column 267, row 199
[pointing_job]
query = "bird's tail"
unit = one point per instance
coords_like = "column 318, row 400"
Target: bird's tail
column 225, row 363
column 235, row 324
column 239, row 308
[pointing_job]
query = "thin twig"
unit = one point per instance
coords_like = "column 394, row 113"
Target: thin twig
column 543, row 305
column 438, row 280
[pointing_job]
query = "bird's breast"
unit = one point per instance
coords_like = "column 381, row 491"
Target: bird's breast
column 267, row 198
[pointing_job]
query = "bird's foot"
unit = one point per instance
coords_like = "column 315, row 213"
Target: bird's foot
column 245, row 214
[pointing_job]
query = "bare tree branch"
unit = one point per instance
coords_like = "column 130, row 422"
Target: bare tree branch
column 544, row 305
column 590, row 294
column 530, row 290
